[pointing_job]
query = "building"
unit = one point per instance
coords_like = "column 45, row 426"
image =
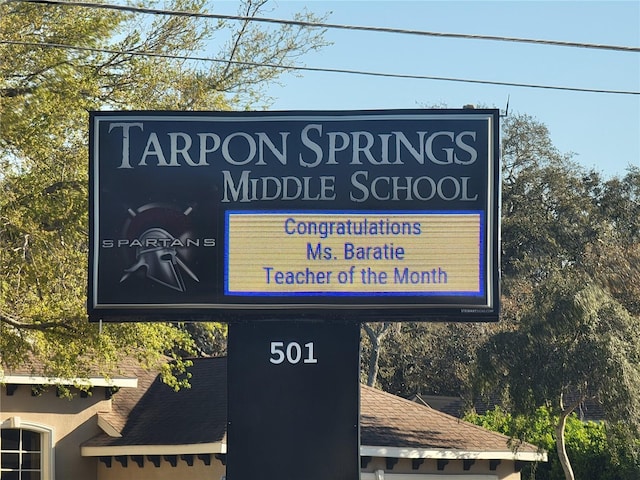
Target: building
column 132, row 426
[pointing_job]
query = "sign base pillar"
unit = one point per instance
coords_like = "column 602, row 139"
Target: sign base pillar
column 293, row 401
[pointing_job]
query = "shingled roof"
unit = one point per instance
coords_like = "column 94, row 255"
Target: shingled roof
column 31, row 373
column 153, row 419
column 395, row 427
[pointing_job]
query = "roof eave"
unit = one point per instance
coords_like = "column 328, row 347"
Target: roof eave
column 107, row 427
column 185, row 449
column 84, row 382
column 451, row 454
column 365, row 450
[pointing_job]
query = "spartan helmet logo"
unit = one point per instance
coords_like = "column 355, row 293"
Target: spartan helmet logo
column 158, row 232
column 159, row 259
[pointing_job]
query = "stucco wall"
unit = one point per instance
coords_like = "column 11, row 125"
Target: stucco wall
column 401, row 471
column 72, row 422
column 504, row 471
column 199, row 471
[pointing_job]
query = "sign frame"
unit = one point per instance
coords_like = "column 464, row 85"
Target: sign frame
column 113, row 164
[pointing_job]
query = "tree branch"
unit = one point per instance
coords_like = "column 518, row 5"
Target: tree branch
column 41, row 327
column 62, row 185
column 236, row 42
column 376, row 346
column 15, row 92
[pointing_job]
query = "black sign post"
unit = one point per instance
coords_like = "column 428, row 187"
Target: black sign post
column 293, row 396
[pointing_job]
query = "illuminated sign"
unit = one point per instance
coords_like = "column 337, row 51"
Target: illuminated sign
column 361, row 253
column 231, row 215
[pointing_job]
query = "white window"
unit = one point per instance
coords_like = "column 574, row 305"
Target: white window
column 25, row 453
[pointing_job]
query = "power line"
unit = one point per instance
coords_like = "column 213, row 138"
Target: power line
column 319, row 69
column 302, row 23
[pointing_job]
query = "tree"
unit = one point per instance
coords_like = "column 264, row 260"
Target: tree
column 614, row 260
column 569, row 240
column 73, row 60
column 594, row 456
column 548, row 212
column 575, row 343
column 434, row 358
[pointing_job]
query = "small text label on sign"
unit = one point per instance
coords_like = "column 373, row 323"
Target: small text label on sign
column 292, row 353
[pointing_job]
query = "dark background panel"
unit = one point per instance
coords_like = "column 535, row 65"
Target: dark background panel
column 293, row 420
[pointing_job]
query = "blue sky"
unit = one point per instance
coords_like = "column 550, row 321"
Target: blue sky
column 602, row 130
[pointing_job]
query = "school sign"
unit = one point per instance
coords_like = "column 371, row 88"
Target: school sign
column 362, row 215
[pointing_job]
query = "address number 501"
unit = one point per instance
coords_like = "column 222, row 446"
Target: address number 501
column 292, row 353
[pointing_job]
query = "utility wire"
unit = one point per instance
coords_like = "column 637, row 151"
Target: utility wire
column 318, row 69
column 301, row 23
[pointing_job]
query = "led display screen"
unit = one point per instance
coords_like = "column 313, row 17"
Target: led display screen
column 359, row 253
